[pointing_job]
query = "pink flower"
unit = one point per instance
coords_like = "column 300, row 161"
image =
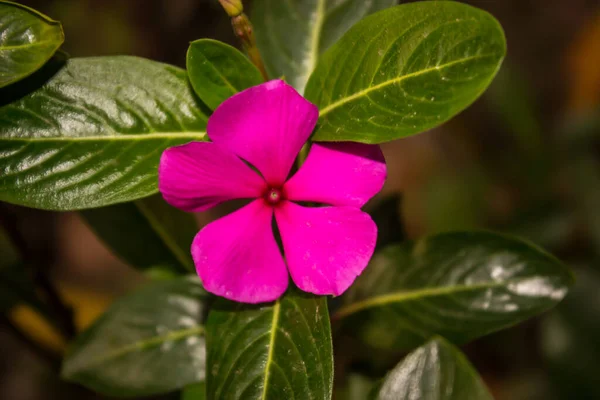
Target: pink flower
column 237, row 256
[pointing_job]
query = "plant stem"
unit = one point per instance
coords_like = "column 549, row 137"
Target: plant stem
column 242, row 27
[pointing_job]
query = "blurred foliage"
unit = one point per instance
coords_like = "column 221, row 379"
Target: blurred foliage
column 524, row 160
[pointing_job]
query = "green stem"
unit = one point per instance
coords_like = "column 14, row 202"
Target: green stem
column 242, row 27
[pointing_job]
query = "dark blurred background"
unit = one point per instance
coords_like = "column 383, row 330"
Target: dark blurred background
column 524, row 159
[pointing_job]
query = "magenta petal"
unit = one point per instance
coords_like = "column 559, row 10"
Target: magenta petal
column 266, row 125
column 340, row 174
column 325, row 248
column 198, row 175
column 237, row 256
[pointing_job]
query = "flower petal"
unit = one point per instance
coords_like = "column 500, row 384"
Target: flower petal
column 325, row 248
column 200, row 175
column 340, row 174
column 237, row 256
column 266, row 125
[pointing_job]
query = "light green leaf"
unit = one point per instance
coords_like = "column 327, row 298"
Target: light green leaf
column 405, row 70
column 435, row 371
column 293, row 34
column 218, row 71
column 148, row 342
column 457, row 285
column 277, row 351
column 146, row 233
column 27, row 40
column 93, row 134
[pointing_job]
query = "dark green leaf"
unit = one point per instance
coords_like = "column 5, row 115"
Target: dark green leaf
column 405, row 70
column 148, row 342
column 16, row 287
column 218, row 71
column 435, row 371
column 293, row 34
column 277, row 351
column 146, row 233
column 196, row 391
column 457, row 285
column 93, row 134
column 571, row 340
column 27, row 40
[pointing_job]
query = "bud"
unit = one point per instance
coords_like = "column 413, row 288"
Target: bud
column 233, row 8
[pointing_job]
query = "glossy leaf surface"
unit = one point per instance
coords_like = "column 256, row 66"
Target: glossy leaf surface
column 27, row 40
column 293, row 34
column 435, row 371
column 92, row 135
column 146, row 233
column 457, row 285
column 404, row 70
column 218, row 71
column 276, row 351
column 149, row 342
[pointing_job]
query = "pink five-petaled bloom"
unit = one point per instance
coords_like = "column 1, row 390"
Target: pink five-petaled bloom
column 237, row 256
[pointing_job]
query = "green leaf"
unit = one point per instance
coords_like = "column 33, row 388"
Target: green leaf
column 293, row 34
column 16, row 287
column 27, row 40
column 457, row 285
column 435, row 371
column 218, row 71
column 148, row 342
column 277, row 351
column 146, row 233
column 196, row 391
column 570, row 340
column 93, row 134
column 405, row 70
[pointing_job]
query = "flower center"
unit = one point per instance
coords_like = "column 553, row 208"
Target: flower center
column 273, row 195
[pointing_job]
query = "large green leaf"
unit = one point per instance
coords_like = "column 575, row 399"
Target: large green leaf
column 27, row 40
column 435, row 371
column 293, row 34
column 93, row 134
column 456, row 285
column 404, row 70
column 148, row 342
column 218, row 71
column 277, row 351
column 146, row 233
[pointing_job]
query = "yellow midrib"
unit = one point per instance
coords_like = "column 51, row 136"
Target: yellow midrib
column 274, row 324
column 411, row 295
column 124, row 136
column 398, row 79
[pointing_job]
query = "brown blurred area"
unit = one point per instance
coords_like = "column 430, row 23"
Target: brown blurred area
column 480, row 170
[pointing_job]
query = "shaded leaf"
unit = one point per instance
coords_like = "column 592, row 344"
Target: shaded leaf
column 435, row 371
column 146, row 233
column 293, row 34
column 27, row 40
column 276, row 351
column 570, row 340
column 404, row 70
column 457, row 285
column 93, row 134
column 16, row 287
column 196, row 391
column 218, row 71
column 148, row 342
